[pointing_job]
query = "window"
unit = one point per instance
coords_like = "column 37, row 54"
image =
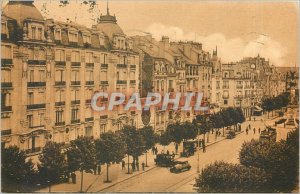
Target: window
column 74, row 94
column 89, row 76
column 59, row 55
column 40, row 34
column 33, row 32
column 73, row 36
column 60, row 75
column 74, row 114
column 42, row 75
column 30, row 98
column 31, row 75
column 59, row 116
column 89, row 57
column 225, row 102
column 5, row 75
column 42, row 115
column 6, row 52
column 30, row 120
column 102, row 128
column 5, row 99
column 103, row 58
column 59, row 96
column 57, row 34
column 87, row 39
column 75, row 56
column 75, row 76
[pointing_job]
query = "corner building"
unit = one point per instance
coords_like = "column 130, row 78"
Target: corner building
column 51, row 69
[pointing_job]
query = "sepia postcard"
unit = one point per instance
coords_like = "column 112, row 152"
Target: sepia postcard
column 117, row 96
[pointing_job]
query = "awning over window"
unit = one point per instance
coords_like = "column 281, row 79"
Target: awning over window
column 257, row 108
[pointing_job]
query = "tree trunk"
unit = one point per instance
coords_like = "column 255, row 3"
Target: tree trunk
column 107, row 166
column 207, row 137
column 81, row 184
column 146, row 159
column 223, row 131
column 128, row 164
column 268, row 114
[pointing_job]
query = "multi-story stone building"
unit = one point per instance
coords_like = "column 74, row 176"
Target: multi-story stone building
column 173, row 67
column 51, row 69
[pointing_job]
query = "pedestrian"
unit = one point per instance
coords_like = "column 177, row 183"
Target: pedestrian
column 168, row 152
column 249, row 126
column 254, row 118
column 259, row 130
column 137, row 165
column 203, row 145
column 156, row 150
column 153, row 150
column 133, row 166
column 143, row 166
column 176, row 148
column 95, row 170
column 99, row 169
column 247, row 131
column 254, row 130
column 123, row 165
column 173, row 154
column 73, row 177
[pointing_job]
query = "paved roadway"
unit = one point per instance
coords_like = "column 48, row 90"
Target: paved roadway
column 161, row 180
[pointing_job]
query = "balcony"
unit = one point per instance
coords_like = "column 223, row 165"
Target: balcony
column 225, row 96
column 239, row 87
column 132, row 81
column 121, row 82
column 62, row 123
column 36, row 106
column 90, row 119
column 105, row 66
column 104, row 82
column 89, row 83
column 6, row 132
column 73, row 102
column 225, row 87
column 60, row 83
column 75, row 44
column 75, row 121
column 132, row 66
column 33, row 150
column 36, row 84
column 60, row 103
column 89, row 65
column 170, row 89
column 121, row 65
column 88, row 101
column 36, row 62
column 60, row 63
column 6, row 62
column 75, row 83
column 6, row 85
column 6, row 108
column 75, row 64
column 239, row 96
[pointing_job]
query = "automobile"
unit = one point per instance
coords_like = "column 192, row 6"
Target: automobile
column 180, row 166
column 230, row 134
column 164, row 160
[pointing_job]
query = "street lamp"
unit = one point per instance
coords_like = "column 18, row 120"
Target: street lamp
column 198, row 169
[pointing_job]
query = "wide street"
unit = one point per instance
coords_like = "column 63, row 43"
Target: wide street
column 161, row 180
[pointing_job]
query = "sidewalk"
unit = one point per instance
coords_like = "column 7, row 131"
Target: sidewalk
column 95, row 183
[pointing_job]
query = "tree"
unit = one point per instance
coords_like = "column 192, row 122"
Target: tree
column 15, row 170
column 275, row 158
column 176, row 132
column 81, row 156
column 53, row 164
column 204, row 124
column 165, row 139
column 267, row 105
column 134, row 141
column 189, row 130
column 221, row 177
column 110, row 148
column 149, row 137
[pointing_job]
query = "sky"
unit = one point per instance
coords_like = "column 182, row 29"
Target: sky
column 238, row 29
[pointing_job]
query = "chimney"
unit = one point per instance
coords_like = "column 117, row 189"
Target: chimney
column 187, row 49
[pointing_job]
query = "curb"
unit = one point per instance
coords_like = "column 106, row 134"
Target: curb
column 150, row 169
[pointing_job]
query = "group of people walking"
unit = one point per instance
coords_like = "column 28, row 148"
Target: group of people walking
column 254, row 130
column 134, row 165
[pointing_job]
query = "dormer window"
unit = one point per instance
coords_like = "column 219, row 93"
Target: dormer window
column 36, row 33
column 87, row 39
column 57, row 34
column 73, row 36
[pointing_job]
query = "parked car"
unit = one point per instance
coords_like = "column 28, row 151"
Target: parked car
column 180, row 166
column 165, row 160
column 230, row 134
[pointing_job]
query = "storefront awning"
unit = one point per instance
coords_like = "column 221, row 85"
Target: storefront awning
column 257, row 108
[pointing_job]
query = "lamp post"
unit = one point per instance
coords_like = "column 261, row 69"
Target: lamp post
column 198, row 169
